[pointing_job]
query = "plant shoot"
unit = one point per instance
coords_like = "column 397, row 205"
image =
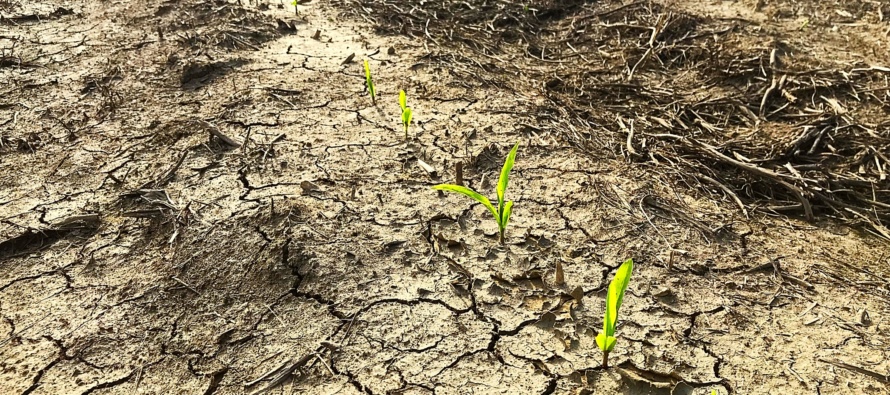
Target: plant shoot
column 406, row 111
column 606, row 339
column 504, row 208
column 370, row 83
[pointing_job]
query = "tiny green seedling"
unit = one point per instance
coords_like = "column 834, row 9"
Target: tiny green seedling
column 505, row 207
column 406, row 112
column 370, row 83
column 606, row 339
column 296, row 3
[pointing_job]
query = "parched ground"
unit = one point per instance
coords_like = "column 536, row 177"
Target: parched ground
column 199, row 197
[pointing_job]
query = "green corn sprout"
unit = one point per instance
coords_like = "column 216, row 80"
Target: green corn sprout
column 295, row 3
column 406, row 111
column 606, row 339
column 505, row 207
column 370, row 83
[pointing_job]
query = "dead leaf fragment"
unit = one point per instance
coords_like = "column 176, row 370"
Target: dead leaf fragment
column 309, row 187
column 578, row 294
column 560, row 275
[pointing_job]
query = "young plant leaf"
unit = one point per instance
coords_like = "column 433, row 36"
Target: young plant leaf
column 505, row 216
column 406, row 119
column 606, row 343
column 403, row 100
column 505, row 174
column 616, row 292
column 406, row 116
column 369, row 82
column 606, row 339
column 469, row 193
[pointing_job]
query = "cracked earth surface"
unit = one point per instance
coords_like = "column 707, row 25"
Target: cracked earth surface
column 139, row 254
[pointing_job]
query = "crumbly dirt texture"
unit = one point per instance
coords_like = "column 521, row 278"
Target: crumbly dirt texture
column 200, row 197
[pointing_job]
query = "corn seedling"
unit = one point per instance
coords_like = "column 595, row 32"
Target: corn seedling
column 606, row 339
column 406, row 111
column 296, row 3
column 504, row 208
column 370, row 83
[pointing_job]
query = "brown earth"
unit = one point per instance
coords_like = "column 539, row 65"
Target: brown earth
column 735, row 150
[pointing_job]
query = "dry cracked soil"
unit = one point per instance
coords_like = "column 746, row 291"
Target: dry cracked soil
column 200, row 197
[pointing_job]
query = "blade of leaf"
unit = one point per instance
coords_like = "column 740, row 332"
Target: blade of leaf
column 368, row 80
column 622, row 277
column 601, row 341
column 403, row 100
column 606, row 343
column 616, row 292
column 469, row 193
column 407, row 115
column 505, row 174
column 610, row 342
column 505, row 215
column 608, row 326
